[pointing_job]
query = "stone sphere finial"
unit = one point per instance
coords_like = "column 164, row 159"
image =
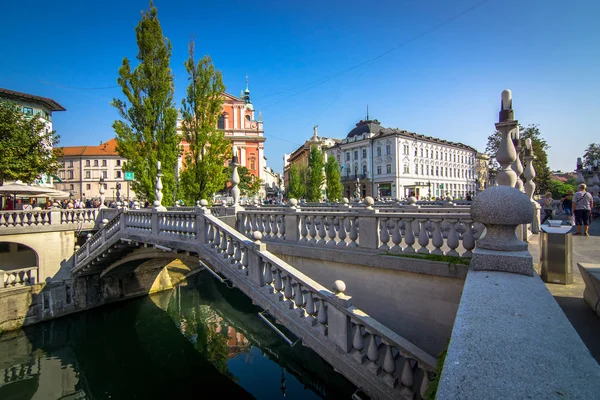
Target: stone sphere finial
column 501, row 209
column 88, row 236
column 293, row 203
column 449, row 198
column 345, row 201
column 369, row 201
column 77, row 247
column 506, row 99
column 257, row 236
column 412, row 201
column 339, row 286
column 203, row 202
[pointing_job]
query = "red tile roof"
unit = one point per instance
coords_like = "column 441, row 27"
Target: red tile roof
column 108, row 148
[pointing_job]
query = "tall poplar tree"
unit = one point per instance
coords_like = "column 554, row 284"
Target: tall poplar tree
column 146, row 132
column 334, row 179
column 315, row 180
column 204, row 172
column 296, row 188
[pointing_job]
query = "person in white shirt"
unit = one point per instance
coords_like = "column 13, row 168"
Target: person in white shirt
column 582, row 205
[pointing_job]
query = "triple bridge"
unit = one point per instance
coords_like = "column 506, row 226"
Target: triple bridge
column 381, row 363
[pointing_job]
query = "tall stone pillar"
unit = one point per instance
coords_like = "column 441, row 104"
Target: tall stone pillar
column 507, row 154
column 502, row 208
column 159, row 194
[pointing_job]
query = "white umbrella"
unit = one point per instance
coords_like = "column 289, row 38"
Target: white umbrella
column 24, row 190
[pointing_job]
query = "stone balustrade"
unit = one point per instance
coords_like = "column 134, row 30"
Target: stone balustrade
column 375, row 358
column 59, row 219
column 18, row 277
column 442, row 233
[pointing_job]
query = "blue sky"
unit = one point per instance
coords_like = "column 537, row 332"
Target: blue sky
column 444, row 83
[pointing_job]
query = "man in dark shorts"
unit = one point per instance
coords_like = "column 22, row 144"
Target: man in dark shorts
column 583, row 203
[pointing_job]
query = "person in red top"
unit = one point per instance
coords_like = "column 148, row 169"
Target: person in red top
column 9, row 204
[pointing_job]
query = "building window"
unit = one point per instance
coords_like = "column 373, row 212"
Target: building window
column 415, row 151
column 364, row 170
column 379, row 170
column 356, row 154
column 388, row 168
column 88, row 186
column 71, row 187
column 87, row 163
column 388, row 149
column 104, row 163
column 338, row 158
column 61, row 174
column 421, row 152
column 70, row 174
column 118, row 175
column 364, row 153
column 27, row 110
column 252, row 164
column 347, row 156
column 70, row 163
column 221, row 122
column 427, row 170
column 421, row 169
column 379, row 151
column 88, row 175
column 95, row 163
column 105, row 174
column 118, row 163
column 437, row 153
column 405, row 149
column 406, row 171
column 416, row 169
column 427, row 153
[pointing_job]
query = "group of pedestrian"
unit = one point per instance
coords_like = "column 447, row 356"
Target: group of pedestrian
column 578, row 207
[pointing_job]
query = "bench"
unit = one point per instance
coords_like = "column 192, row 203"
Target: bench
column 591, row 276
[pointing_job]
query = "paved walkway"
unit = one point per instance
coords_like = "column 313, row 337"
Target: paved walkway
column 570, row 297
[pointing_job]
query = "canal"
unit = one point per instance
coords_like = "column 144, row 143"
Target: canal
column 200, row 340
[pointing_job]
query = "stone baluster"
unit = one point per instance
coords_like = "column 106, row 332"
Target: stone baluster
column 530, row 185
column 396, row 234
column 287, row 290
column 506, row 155
column 408, row 377
column 231, row 249
column 373, row 354
column 331, row 234
column 409, row 237
column 322, row 232
column 268, row 273
column 313, row 230
column 278, row 282
column 322, row 317
column 437, row 239
column 341, row 233
column 303, row 229
column 384, row 233
column 238, row 255
column 353, row 231
column 298, row 296
column 389, row 366
column 424, row 384
column 358, row 343
column 310, row 304
column 468, row 241
column 423, row 236
column 275, row 231
column 255, row 261
column 267, row 224
column 452, row 241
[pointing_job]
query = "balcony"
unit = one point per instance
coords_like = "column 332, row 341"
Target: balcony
column 362, row 177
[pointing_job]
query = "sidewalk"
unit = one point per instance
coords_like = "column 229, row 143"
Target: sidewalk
column 570, row 297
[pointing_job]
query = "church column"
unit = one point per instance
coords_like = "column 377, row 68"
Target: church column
column 234, row 111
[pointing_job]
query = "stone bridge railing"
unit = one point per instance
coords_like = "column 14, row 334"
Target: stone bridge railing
column 416, row 230
column 380, row 362
column 18, row 277
column 21, row 221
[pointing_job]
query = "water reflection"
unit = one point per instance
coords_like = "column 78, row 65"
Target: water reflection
column 196, row 341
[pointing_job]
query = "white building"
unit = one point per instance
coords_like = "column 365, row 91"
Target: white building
column 34, row 106
column 394, row 163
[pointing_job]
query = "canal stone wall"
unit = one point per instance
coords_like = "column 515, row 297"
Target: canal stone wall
column 418, row 299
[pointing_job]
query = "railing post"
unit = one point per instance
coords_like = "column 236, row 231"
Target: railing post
column 255, row 262
column 292, row 227
column 123, row 220
column 154, row 222
column 201, row 223
column 339, row 326
column 368, row 236
column 55, row 217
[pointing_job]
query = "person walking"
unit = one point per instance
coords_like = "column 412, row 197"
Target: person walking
column 567, row 203
column 583, row 203
column 547, row 206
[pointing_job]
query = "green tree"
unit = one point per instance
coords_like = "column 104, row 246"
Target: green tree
column 146, row 132
column 296, row 186
column 204, row 172
column 540, row 163
column 559, row 189
column 315, row 178
column 26, row 145
column 592, row 153
column 334, row 179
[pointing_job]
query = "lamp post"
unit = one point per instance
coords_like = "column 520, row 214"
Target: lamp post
column 118, row 192
column 429, row 185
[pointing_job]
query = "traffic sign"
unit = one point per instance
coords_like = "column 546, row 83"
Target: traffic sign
column 129, row 176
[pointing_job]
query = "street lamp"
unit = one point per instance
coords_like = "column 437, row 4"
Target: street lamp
column 101, row 191
column 429, row 185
